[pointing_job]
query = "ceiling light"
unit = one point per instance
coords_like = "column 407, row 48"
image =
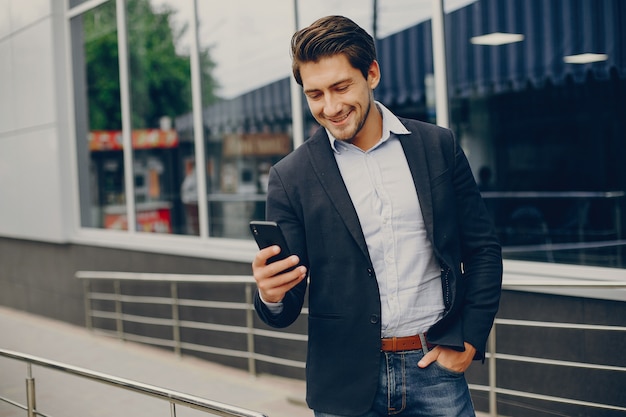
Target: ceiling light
column 497, row 38
column 585, row 58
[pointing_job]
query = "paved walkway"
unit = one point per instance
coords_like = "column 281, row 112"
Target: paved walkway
column 60, row 395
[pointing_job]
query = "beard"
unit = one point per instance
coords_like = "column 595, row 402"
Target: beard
column 348, row 133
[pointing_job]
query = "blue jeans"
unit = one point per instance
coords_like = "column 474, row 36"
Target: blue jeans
column 405, row 390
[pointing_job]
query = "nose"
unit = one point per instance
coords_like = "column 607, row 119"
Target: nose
column 332, row 106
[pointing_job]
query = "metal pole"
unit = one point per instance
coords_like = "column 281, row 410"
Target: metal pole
column 175, row 318
column 118, row 310
column 31, row 401
column 88, row 320
column 439, row 63
column 198, row 126
column 172, row 410
column 129, row 183
column 493, row 403
column 297, row 123
column 250, row 326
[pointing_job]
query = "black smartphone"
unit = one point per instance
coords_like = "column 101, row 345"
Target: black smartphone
column 267, row 234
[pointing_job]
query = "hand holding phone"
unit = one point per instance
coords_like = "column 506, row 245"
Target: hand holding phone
column 267, row 234
column 273, row 285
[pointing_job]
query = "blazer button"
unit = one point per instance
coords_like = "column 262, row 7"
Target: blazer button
column 374, row 319
column 370, row 272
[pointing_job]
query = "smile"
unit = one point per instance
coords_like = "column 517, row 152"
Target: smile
column 339, row 120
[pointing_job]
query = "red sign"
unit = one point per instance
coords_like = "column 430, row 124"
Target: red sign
column 111, row 140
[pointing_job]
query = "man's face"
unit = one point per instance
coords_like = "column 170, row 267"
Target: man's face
column 340, row 98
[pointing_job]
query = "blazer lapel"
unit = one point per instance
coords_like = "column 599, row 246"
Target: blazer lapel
column 416, row 157
column 327, row 171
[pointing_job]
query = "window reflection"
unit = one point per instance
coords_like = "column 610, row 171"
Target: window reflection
column 98, row 114
column 536, row 96
column 534, row 103
column 160, row 91
column 248, row 119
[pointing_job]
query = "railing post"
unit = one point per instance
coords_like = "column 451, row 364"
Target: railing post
column 493, row 401
column 250, row 326
column 31, row 402
column 87, row 291
column 118, row 309
column 172, row 410
column 175, row 318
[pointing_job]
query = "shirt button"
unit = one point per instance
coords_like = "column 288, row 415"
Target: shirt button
column 374, row 319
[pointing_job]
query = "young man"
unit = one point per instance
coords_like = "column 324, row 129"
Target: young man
column 385, row 219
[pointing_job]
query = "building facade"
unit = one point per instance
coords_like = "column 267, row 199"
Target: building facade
column 137, row 135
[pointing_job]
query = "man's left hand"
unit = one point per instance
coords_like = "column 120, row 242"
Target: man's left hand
column 449, row 358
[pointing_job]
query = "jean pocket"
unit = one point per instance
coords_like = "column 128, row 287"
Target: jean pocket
column 448, row 371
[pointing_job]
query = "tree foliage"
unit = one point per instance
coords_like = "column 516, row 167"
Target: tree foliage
column 159, row 74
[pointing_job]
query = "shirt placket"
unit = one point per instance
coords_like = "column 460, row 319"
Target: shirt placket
column 391, row 300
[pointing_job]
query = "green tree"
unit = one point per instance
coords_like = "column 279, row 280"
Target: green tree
column 160, row 76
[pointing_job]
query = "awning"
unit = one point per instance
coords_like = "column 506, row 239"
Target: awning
column 552, row 29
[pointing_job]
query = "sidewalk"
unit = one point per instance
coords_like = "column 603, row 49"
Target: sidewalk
column 65, row 395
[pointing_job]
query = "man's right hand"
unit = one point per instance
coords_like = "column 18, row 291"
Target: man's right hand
column 271, row 280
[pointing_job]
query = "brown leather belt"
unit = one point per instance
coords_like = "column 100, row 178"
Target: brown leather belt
column 399, row 344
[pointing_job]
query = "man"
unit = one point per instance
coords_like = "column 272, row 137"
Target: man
column 385, row 219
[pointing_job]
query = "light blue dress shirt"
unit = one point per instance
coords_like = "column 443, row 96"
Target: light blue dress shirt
column 382, row 190
column 383, row 193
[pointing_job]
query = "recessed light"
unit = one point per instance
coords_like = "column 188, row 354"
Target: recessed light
column 585, row 58
column 497, row 38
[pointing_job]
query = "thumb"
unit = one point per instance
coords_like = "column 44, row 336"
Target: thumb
column 428, row 358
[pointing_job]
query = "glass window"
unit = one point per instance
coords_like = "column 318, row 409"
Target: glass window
column 98, row 115
column 247, row 107
column 537, row 101
column 160, row 91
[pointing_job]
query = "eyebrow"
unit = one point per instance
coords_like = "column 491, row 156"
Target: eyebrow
column 346, row 80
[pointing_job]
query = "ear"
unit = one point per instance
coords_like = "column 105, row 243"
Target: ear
column 373, row 75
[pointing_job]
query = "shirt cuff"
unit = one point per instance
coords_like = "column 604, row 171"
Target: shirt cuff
column 274, row 308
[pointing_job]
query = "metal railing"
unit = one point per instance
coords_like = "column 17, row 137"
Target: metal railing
column 176, row 323
column 522, row 277
column 173, row 397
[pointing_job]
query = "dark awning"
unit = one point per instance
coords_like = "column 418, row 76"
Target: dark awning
column 552, row 29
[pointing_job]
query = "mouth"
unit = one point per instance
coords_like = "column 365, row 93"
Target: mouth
column 338, row 120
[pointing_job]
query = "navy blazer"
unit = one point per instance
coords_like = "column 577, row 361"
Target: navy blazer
column 308, row 198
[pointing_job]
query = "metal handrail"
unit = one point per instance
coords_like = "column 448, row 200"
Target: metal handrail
column 173, row 397
column 175, row 322
column 518, row 276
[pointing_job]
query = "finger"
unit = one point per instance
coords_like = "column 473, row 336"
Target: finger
column 279, row 267
column 429, row 358
column 264, row 254
column 275, row 288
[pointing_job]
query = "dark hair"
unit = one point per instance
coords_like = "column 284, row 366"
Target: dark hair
column 329, row 36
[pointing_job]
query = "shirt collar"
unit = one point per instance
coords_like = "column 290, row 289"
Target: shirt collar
column 391, row 124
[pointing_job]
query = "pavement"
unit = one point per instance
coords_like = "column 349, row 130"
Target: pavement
column 62, row 395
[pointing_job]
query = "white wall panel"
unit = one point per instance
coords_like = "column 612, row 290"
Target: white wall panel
column 25, row 13
column 32, row 191
column 30, row 186
column 5, row 19
column 33, row 67
column 7, row 95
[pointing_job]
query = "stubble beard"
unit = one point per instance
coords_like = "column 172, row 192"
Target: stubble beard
column 359, row 127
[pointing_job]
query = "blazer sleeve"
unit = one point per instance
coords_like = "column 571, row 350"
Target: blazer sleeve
column 481, row 256
column 280, row 209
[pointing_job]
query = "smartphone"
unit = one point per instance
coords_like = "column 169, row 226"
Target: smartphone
column 268, row 234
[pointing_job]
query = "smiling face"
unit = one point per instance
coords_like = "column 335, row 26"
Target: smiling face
column 340, row 99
